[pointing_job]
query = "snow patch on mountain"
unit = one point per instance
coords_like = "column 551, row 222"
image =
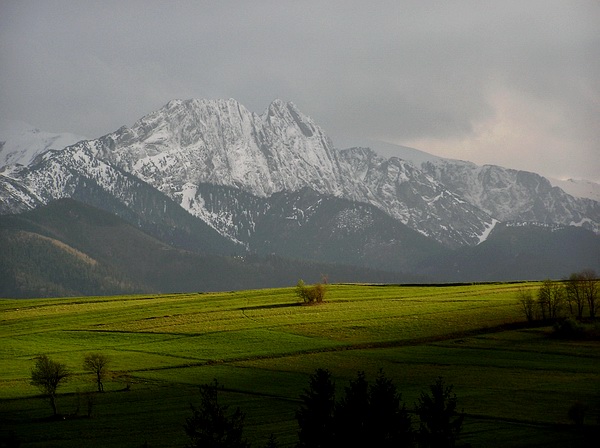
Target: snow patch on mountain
column 353, row 220
column 484, row 236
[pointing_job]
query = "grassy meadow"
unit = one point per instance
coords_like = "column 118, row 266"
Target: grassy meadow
column 514, row 382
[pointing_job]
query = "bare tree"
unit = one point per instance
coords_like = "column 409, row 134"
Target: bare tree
column 590, row 290
column 550, row 299
column 47, row 375
column 97, row 364
column 574, row 292
column 527, row 302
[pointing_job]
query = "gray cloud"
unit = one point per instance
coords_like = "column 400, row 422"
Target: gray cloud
column 434, row 74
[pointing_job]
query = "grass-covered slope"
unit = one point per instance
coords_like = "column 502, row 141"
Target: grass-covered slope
column 34, row 265
column 514, row 383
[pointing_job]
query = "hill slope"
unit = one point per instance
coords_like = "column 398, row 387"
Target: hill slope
column 69, row 248
column 522, row 252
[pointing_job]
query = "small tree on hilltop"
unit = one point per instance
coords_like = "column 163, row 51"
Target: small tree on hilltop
column 440, row 425
column 47, row 375
column 97, row 364
column 311, row 294
column 211, row 426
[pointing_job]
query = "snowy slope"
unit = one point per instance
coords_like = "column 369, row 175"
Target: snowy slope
column 508, row 194
column 513, row 195
column 578, row 187
column 221, row 142
column 21, row 143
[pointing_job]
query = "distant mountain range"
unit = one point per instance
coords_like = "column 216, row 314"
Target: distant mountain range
column 211, row 178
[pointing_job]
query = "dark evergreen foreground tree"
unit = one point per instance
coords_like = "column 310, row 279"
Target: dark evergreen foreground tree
column 47, row 375
column 211, row 425
column 389, row 424
column 352, row 414
column 440, row 423
column 315, row 415
column 367, row 415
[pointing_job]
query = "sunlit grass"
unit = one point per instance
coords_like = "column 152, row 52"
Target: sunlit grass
column 263, row 344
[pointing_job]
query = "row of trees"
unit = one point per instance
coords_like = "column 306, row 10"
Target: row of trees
column 554, row 299
column 47, row 375
column 374, row 414
column 366, row 415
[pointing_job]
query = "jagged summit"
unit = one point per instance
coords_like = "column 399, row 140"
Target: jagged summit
column 190, row 142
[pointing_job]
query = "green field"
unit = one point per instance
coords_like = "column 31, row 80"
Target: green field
column 514, row 383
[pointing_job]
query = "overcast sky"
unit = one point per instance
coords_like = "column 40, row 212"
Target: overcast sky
column 513, row 83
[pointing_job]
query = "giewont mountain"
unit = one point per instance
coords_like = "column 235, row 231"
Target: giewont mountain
column 212, row 176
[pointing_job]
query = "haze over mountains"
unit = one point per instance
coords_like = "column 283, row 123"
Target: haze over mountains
column 212, row 178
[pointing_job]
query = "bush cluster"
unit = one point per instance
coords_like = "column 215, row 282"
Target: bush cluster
column 311, row 294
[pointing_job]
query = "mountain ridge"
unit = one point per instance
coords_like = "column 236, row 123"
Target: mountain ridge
column 180, row 148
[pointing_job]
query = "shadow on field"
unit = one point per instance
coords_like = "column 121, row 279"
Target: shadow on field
column 267, row 307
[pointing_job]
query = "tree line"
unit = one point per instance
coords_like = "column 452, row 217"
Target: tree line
column 554, row 299
column 366, row 415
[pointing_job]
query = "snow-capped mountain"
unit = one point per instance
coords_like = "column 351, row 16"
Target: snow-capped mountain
column 185, row 147
column 189, row 143
column 76, row 173
column 21, row 143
